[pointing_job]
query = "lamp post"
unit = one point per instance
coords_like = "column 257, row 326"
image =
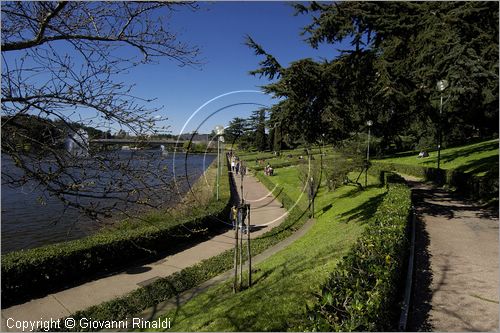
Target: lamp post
column 219, row 131
column 441, row 86
column 369, row 123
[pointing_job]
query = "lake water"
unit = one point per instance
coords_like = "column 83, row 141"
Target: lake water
column 29, row 222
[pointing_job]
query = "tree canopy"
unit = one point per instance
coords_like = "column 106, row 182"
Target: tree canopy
column 399, row 52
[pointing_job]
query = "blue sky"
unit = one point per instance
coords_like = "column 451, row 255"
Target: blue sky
column 219, row 30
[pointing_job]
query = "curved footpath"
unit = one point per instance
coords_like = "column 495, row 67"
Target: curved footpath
column 456, row 264
column 266, row 213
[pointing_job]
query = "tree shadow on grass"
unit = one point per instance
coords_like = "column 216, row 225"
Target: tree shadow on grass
column 464, row 152
column 269, row 305
column 363, row 212
column 449, row 156
column 486, row 164
column 357, row 191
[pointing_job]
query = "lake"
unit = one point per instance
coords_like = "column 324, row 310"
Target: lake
column 32, row 218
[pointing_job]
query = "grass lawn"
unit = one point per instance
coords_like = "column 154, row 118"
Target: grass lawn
column 285, row 282
column 477, row 158
column 257, row 161
column 269, row 156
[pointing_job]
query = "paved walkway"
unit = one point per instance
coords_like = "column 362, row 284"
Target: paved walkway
column 456, row 277
column 266, row 213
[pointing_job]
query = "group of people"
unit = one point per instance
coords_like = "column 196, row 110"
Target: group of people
column 268, row 170
column 237, row 165
column 423, row 154
column 237, row 216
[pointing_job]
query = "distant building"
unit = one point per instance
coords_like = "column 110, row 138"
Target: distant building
column 77, row 143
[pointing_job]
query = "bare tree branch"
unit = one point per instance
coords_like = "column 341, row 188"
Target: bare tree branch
column 59, row 67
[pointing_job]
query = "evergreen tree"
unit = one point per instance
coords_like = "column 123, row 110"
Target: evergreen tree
column 416, row 45
column 258, row 127
column 399, row 52
column 237, row 130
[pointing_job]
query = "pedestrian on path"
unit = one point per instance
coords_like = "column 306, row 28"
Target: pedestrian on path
column 237, row 168
column 232, row 165
column 233, row 215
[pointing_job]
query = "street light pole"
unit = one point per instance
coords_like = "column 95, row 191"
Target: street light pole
column 440, row 135
column 369, row 123
column 441, row 86
column 218, row 166
column 219, row 131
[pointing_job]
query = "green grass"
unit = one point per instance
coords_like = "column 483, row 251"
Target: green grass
column 287, row 281
column 286, row 160
column 476, row 159
column 270, row 157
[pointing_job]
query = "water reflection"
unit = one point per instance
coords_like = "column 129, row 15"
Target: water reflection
column 31, row 217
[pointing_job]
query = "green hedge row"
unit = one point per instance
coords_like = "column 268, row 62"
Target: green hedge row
column 362, row 292
column 36, row 272
column 274, row 165
column 170, row 286
column 476, row 187
column 282, row 164
column 270, row 155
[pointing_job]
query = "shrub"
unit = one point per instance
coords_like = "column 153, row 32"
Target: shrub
column 476, row 187
column 362, row 291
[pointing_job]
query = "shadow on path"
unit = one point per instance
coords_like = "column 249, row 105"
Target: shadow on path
column 453, row 245
column 421, row 293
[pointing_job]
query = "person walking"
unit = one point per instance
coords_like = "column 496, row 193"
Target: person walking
column 237, row 168
column 232, row 165
column 233, row 216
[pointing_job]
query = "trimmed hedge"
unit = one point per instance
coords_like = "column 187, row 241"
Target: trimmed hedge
column 362, row 292
column 476, row 187
column 190, row 277
column 39, row 271
column 274, row 166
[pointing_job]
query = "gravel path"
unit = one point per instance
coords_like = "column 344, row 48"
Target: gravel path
column 456, row 277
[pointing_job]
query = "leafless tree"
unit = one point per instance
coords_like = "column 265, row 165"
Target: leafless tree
column 61, row 63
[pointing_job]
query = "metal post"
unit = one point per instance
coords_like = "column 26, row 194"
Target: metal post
column 240, row 213
column 440, row 131
column 235, row 285
column 441, row 86
column 249, row 254
column 368, row 150
column 367, row 158
column 241, row 182
column 218, row 166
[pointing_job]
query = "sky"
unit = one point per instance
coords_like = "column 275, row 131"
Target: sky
column 219, row 30
column 199, row 98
